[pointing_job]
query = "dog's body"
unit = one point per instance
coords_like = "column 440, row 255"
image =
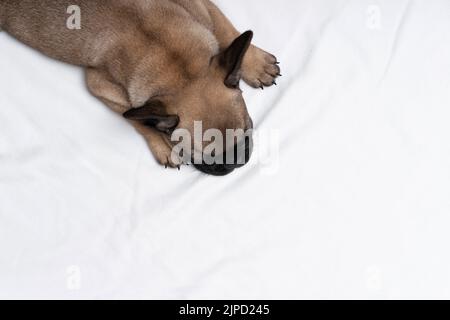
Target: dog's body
column 135, row 52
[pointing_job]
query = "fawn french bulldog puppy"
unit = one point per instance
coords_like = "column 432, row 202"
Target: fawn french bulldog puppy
column 163, row 64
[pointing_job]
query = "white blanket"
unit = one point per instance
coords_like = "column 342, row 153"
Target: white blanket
column 350, row 198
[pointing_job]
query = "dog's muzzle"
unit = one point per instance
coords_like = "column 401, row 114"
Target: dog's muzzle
column 240, row 159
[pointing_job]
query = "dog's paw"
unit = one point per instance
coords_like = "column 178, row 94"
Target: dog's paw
column 160, row 147
column 167, row 158
column 260, row 69
column 161, row 150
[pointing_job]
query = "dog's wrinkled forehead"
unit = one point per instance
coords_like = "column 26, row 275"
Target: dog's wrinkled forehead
column 171, row 66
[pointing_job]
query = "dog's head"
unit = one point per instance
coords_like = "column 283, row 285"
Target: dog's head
column 212, row 98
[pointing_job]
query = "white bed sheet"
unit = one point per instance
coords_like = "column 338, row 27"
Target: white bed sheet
column 355, row 205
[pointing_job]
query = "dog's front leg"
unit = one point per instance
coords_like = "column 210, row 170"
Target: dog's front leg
column 259, row 68
column 116, row 98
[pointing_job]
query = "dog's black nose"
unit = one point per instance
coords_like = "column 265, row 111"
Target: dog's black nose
column 214, row 169
column 242, row 154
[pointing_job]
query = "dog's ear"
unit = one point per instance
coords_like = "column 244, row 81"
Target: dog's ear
column 153, row 115
column 231, row 59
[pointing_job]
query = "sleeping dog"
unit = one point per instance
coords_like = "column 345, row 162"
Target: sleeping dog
column 163, row 64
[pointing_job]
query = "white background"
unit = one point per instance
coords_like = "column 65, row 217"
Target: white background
column 355, row 204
